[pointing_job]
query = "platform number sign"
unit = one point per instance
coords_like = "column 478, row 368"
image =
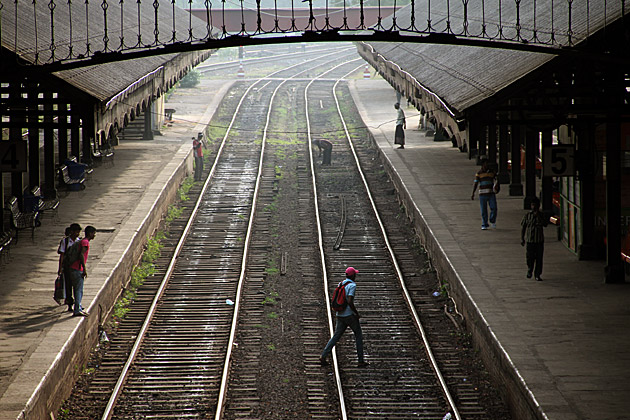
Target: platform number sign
column 559, row 160
column 13, row 156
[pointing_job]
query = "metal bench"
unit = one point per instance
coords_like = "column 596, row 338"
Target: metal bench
column 46, row 203
column 20, row 220
column 70, row 183
column 6, row 238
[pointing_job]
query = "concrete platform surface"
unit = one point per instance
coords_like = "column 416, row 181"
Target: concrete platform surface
column 566, row 337
column 124, row 202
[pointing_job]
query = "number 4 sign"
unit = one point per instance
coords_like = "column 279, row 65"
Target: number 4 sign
column 559, row 160
column 13, row 156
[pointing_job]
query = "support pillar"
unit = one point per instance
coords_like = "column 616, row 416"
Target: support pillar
column 516, row 187
column 482, row 138
column 49, row 147
column 614, row 267
column 33, row 136
column 492, row 143
column 87, row 135
column 504, row 145
column 62, row 133
column 148, row 121
column 547, row 181
column 474, row 132
column 17, row 115
column 587, row 162
column 75, row 137
column 531, row 146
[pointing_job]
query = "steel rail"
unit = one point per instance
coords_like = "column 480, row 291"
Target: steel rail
column 108, row 412
column 145, row 326
column 392, row 255
column 320, row 243
column 241, row 280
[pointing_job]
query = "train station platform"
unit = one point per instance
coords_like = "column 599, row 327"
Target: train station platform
column 564, row 341
column 39, row 340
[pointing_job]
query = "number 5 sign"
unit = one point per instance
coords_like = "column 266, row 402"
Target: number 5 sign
column 559, row 160
column 13, row 156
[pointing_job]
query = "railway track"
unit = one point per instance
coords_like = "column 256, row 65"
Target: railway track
column 225, row 282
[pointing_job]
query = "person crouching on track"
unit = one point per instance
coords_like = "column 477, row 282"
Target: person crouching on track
column 324, row 147
column 348, row 317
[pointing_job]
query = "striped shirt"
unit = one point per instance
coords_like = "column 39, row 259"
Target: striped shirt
column 486, row 180
column 532, row 227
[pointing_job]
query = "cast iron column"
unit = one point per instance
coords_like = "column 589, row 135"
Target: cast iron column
column 614, row 267
column 547, row 181
column 148, row 119
column 33, row 136
column 531, row 145
column 516, row 187
column 49, row 147
column 504, row 145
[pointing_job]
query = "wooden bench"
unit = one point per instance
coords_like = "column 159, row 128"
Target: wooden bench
column 19, row 220
column 70, row 183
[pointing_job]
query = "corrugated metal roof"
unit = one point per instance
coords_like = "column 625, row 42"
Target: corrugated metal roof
column 73, row 26
column 464, row 76
column 104, row 81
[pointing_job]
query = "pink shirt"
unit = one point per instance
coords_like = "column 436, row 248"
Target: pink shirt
column 86, row 247
column 197, row 148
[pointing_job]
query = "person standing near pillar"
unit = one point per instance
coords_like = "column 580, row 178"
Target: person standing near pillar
column 198, row 153
column 488, row 185
column 533, row 238
column 401, row 125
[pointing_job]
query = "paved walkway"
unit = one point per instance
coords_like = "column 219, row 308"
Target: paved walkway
column 37, row 337
column 567, row 336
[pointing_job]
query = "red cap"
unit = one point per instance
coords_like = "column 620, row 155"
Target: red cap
column 351, row 271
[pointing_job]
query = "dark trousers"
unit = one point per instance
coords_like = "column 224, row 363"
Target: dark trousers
column 327, row 157
column 68, row 286
column 534, row 255
column 344, row 322
column 198, row 168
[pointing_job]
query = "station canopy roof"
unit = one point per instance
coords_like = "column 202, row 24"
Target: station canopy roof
column 73, row 25
column 463, row 76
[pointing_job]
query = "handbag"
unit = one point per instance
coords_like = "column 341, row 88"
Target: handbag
column 60, row 292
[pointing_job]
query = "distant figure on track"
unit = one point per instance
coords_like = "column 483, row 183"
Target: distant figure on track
column 324, row 147
column 198, row 153
column 349, row 317
column 401, row 124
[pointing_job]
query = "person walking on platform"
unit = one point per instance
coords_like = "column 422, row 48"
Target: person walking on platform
column 533, row 238
column 348, row 317
column 325, row 147
column 488, row 185
column 198, row 153
column 78, row 271
column 401, row 125
column 72, row 235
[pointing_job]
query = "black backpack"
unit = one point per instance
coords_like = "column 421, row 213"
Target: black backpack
column 339, row 301
column 72, row 254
